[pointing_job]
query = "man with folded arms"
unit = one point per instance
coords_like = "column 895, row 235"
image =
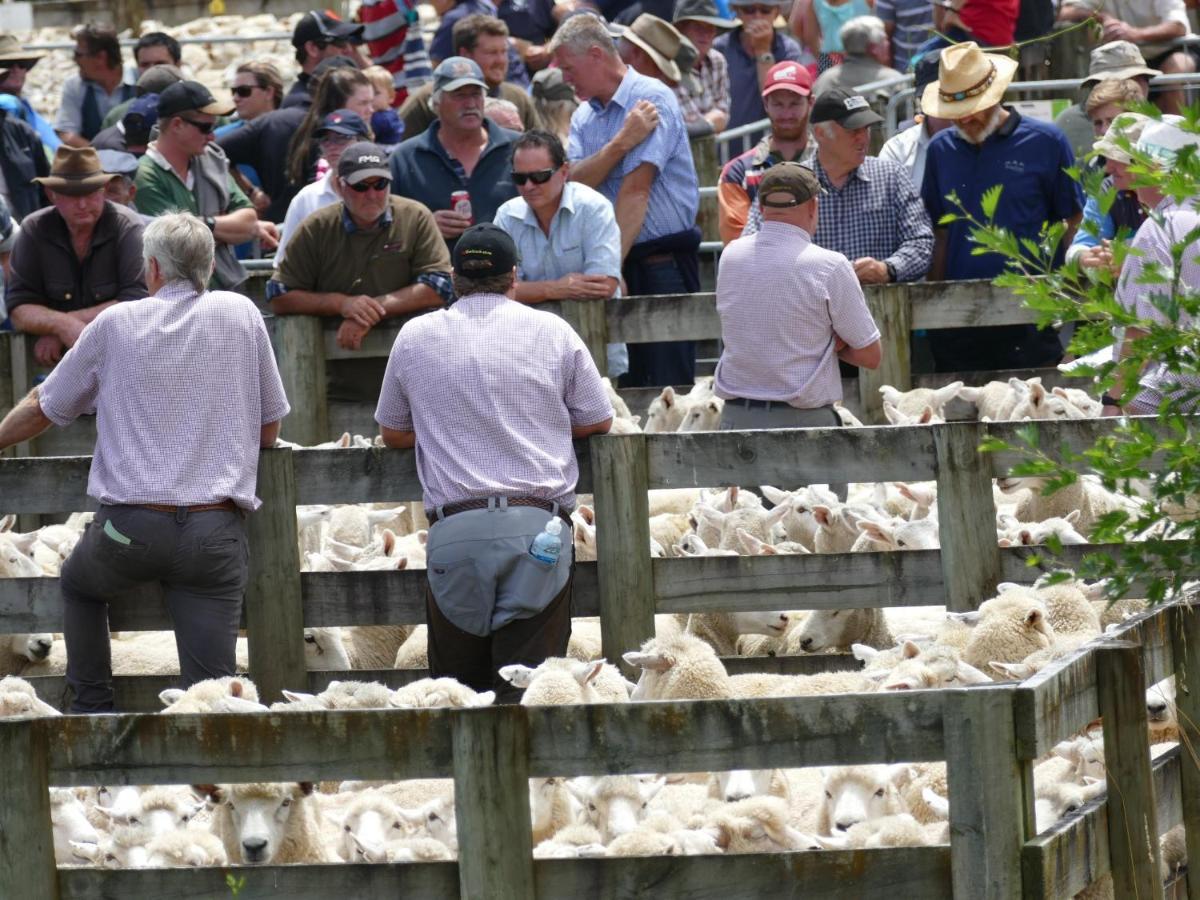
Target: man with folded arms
column 75, row 258
column 368, row 257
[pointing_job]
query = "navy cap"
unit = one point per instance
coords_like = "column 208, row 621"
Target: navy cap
column 346, row 122
column 483, row 251
column 456, row 72
column 140, row 117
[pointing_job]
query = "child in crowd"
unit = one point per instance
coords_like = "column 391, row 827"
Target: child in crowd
column 385, row 122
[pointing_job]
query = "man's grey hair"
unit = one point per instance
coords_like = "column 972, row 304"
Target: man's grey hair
column 183, row 247
column 825, row 129
column 860, row 33
column 580, row 33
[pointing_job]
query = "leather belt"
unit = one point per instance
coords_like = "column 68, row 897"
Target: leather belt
column 656, row 258
column 451, row 509
column 771, row 404
column 202, row 507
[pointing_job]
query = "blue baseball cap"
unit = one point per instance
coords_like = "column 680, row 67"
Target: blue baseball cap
column 344, row 121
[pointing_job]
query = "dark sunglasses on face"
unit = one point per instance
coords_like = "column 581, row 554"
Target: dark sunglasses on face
column 756, row 10
column 243, row 90
column 379, row 184
column 539, row 177
column 202, row 127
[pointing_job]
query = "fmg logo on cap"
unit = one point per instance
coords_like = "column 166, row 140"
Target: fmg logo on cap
column 371, row 158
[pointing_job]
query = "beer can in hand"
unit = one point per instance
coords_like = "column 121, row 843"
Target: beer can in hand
column 460, row 202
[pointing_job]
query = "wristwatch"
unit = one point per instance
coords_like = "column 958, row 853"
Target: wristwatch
column 767, row 58
column 891, row 270
column 211, row 223
column 1109, row 400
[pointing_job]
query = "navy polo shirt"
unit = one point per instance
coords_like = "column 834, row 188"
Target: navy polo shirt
column 1029, row 158
column 422, row 170
column 745, row 102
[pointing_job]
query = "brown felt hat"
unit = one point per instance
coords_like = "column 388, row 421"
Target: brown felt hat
column 76, row 171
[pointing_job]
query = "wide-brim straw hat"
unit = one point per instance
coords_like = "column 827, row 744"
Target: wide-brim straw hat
column 76, row 171
column 659, row 39
column 11, row 51
column 969, row 80
column 1127, row 125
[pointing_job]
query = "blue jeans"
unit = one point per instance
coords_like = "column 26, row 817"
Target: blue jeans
column 663, row 362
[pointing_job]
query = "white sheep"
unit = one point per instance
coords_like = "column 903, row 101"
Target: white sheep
column 14, row 563
column 71, row 825
column 722, row 630
column 703, row 416
column 18, row 700
column 266, row 823
column 1007, row 629
column 373, row 646
column 613, row 804
column 187, row 848
column 1161, row 712
column 693, row 545
column 340, row 695
column 919, row 405
column 124, row 847
column 560, row 681
column 552, row 808
column 855, row 794
column 229, row 694
column 19, row 651
column 1085, row 494
column 371, row 821
column 431, row 693
column 828, row 629
column 754, row 825
column 996, row 400
column 679, row 667
column 570, row 842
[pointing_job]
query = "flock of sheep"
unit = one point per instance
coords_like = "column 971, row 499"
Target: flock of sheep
column 1011, row 636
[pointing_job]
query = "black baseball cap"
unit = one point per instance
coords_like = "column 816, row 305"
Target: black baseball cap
column 848, row 109
column 190, row 96
column 344, row 121
column 363, row 160
column 323, row 26
column 483, row 251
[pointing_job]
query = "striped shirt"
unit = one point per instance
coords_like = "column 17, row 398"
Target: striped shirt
column 392, row 30
column 1154, row 240
column 914, row 26
column 675, row 192
column 182, row 384
column 492, row 389
column 782, row 301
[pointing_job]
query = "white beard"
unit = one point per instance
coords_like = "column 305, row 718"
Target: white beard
column 986, row 132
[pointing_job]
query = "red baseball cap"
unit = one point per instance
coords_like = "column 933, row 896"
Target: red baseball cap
column 788, row 76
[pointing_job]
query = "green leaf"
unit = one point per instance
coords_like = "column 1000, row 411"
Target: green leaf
column 990, row 200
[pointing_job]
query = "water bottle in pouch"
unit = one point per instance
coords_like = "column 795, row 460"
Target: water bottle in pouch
column 547, row 546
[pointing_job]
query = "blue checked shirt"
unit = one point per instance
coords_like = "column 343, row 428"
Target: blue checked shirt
column 675, row 193
column 876, row 213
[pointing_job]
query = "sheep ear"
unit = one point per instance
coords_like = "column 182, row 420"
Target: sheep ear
column 1066, row 750
column 774, row 494
column 235, row 704
column 1090, row 780
column 910, row 650
column 874, row 530
column 890, row 394
column 1005, row 586
column 656, row 662
column 1036, row 620
column 970, row 619
column 1019, row 671
column 939, row 804
column 589, row 672
column 298, row 696
column 306, row 787
column 1073, row 516
column 863, row 653
column 901, row 774
column 587, row 514
column 517, row 675
column 208, row 792
column 926, row 416
column 667, row 397
column 650, row 790
column 580, row 791
column 823, row 514
column 103, row 810
column 170, row 696
column 1004, row 542
column 90, row 852
column 487, row 698
column 893, row 414
column 946, row 393
column 389, row 541
column 1037, row 394
column 902, row 684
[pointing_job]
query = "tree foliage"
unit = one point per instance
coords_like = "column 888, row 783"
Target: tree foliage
column 1153, row 458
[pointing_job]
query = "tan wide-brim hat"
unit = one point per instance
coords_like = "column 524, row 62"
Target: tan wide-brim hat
column 659, row 39
column 1127, row 125
column 969, row 80
column 11, row 51
column 76, row 171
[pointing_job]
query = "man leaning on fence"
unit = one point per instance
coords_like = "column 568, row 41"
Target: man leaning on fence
column 186, row 391
column 785, row 326
column 491, row 392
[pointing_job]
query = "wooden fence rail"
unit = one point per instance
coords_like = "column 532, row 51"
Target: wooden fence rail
column 489, row 753
column 304, row 344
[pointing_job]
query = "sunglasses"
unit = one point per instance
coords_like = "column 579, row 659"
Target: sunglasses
column 379, row 184
column 756, row 10
column 202, row 127
column 244, row 90
column 539, row 177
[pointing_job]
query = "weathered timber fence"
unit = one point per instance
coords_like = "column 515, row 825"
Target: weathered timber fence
column 989, row 737
column 625, row 587
column 304, row 344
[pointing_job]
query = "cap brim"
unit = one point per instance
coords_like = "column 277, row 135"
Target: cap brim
column 1118, row 74
column 463, row 82
column 667, row 66
column 933, row 105
column 716, row 22
column 364, row 174
column 860, row 118
column 342, row 130
column 347, row 31
column 786, row 86
column 31, row 57
column 216, row 108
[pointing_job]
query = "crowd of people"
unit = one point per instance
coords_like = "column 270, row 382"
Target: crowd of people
column 531, row 154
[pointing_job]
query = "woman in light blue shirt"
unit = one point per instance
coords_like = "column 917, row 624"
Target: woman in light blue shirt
column 566, row 233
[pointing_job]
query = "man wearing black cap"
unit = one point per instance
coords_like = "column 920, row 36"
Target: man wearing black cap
column 495, row 460
column 184, row 171
column 789, row 311
column 317, row 36
column 369, row 257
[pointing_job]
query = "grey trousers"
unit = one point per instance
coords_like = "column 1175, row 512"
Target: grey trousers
column 202, row 562
column 736, row 416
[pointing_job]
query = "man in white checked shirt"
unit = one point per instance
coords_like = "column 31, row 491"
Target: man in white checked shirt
column 185, row 391
column 491, row 393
